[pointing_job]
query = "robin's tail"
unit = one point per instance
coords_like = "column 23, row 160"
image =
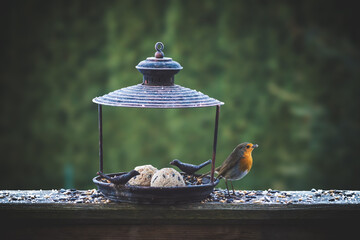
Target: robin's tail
column 216, row 171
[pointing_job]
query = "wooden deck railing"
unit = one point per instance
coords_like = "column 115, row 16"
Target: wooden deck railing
column 41, row 215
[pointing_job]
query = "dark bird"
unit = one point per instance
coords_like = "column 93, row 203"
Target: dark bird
column 187, row 167
column 121, row 179
column 237, row 164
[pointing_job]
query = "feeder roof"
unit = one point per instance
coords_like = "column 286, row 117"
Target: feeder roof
column 158, row 89
column 144, row 96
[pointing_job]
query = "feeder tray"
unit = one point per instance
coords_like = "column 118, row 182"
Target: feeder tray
column 154, row 195
column 157, row 90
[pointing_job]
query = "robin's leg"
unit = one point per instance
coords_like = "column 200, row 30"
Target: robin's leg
column 227, row 187
column 232, row 187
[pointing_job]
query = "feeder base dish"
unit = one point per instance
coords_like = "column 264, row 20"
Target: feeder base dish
column 154, row 195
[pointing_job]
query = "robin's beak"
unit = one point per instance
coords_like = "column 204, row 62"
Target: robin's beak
column 255, row 146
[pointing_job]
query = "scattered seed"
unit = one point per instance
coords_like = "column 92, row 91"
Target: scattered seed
column 93, row 196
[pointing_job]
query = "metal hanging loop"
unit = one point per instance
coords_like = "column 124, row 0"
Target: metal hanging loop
column 159, row 46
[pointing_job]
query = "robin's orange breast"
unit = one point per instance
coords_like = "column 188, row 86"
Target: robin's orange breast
column 239, row 170
column 246, row 162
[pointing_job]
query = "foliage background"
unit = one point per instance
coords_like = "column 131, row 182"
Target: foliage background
column 288, row 72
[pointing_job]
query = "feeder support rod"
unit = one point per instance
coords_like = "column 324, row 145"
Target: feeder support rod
column 100, row 138
column 215, row 143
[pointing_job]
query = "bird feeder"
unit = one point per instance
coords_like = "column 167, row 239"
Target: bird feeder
column 157, row 90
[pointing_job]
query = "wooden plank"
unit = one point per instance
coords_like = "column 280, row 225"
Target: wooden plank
column 198, row 212
column 24, row 219
column 279, row 230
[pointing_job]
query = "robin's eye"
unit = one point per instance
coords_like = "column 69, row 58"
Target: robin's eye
column 247, row 146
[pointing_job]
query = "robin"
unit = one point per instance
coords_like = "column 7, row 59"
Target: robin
column 237, row 164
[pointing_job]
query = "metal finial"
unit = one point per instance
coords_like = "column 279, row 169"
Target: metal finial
column 159, row 46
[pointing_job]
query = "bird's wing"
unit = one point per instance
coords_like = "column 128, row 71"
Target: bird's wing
column 229, row 163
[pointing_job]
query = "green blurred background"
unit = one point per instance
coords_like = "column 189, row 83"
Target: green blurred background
column 288, row 72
